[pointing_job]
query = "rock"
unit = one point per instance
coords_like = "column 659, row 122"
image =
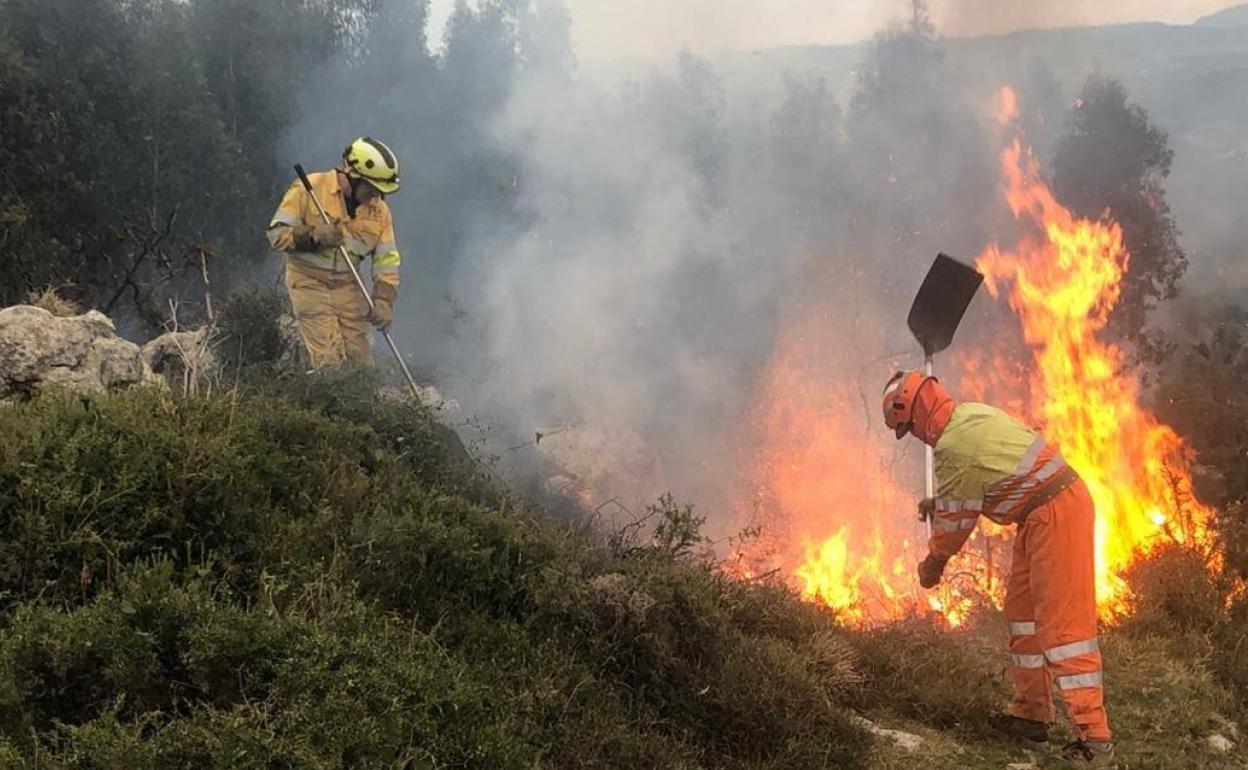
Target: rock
column 907, row 741
column 291, row 343
column 184, row 359
column 1220, row 743
column 79, row 353
column 428, row 395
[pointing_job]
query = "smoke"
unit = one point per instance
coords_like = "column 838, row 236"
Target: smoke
column 657, row 30
column 630, row 300
column 664, row 237
column 606, row 266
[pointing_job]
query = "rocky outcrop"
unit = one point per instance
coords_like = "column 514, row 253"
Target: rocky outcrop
column 79, row 353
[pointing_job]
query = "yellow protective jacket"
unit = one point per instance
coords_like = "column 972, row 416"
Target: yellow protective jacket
column 369, row 234
column 987, row 463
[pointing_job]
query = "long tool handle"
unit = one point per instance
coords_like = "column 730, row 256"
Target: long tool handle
column 929, row 462
column 359, row 282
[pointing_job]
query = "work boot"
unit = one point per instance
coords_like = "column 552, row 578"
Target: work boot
column 1083, row 754
column 1018, row 727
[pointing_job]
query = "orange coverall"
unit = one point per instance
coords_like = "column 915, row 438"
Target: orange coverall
column 987, row 463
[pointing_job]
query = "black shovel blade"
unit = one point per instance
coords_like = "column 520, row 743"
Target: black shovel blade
column 941, row 302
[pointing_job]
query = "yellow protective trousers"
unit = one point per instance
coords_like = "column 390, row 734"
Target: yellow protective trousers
column 1050, row 605
column 331, row 312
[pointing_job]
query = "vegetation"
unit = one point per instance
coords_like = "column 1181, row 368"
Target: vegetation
column 142, row 138
column 301, row 573
column 257, row 581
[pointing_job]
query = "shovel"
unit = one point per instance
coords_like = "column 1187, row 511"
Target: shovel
column 934, row 317
column 359, row 282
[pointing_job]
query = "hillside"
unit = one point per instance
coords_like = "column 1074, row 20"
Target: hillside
column 302, row 572
column 1231, row 17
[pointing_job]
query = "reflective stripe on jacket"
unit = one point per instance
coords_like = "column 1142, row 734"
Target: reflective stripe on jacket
column 369, row 234
column 986, row 463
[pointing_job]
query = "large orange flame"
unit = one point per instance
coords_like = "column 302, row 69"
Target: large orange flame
column 830, row 501
column 824, row 487
column 1063, row 279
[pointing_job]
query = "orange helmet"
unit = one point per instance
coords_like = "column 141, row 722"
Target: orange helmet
column 900, row 395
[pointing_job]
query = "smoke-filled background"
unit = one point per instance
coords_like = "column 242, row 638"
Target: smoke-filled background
column 619, row 227
column 649, row 233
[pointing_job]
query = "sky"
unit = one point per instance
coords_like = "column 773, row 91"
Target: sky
column 615, row 29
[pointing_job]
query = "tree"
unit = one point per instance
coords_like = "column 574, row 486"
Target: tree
column 920, row 168
column 140, row 134
column 1114, row 160
column 807, row 156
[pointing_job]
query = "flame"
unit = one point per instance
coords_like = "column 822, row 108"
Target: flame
column 824, row 489
column 1063, row 279
column 1007, row 106
column 828, row 492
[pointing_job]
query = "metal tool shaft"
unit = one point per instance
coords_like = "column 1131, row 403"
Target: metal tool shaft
column 929, row 461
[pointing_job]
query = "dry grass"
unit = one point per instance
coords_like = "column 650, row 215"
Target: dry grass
column 51, row 300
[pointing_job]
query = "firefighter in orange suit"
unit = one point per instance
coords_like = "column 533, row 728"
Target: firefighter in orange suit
column 989, row 464
column 332, row 314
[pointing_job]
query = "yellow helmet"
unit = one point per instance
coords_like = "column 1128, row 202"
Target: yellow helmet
column 372, row 161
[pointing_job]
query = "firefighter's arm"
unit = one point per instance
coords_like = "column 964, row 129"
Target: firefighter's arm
column 950, row 531
column 386, row 262
column 953, row 514
column 287, row 221
column 956, row 509
column 386, row 258
column 288, row 230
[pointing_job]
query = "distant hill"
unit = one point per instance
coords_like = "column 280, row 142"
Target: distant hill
column 1231, row 17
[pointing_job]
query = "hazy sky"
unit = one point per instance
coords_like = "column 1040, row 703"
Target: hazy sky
column 608, row 29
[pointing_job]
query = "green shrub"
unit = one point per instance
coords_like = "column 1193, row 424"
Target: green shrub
column 288, row 579
column 249, row 330
column 204, row 678
column 1172, row 591
column 1151, row 692
column 936, row 676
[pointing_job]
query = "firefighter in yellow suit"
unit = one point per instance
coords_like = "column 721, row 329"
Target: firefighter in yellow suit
column 331, row 312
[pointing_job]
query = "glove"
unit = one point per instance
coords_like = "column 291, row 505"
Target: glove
column 384, row 295
column 316, row 237
column 927, row 508
column 930, row 570
column 327, row 236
